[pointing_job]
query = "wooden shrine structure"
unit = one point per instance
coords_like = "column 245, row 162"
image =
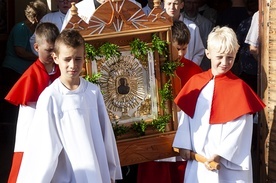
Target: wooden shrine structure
column 120, row 22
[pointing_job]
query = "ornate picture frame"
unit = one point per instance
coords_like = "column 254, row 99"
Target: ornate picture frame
column 128, row 88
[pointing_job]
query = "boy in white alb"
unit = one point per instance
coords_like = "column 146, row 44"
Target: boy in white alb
column 27, row 89
column 71, row 137
column 218, row 116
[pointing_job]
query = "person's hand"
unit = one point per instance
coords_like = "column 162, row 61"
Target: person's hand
column 215, row 158
column 254, row 51
column 185, row 154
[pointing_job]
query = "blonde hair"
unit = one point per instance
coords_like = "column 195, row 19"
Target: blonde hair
column 223, row 39
column 35, row 10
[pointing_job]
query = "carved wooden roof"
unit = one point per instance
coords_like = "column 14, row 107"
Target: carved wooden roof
column 120, row 17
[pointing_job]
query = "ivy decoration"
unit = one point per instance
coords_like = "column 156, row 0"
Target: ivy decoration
column 109, row 50
column 94, row 78
column 169, row 67
column 119, row 129
column 166, row 94
column 91, row 51
column 139, row 49
column 161, row 122
column 140, row 127
column 159, row 45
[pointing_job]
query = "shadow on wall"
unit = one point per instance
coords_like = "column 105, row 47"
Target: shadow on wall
column 263, row 133
column 272, row 150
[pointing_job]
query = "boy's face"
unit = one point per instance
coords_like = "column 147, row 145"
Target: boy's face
column 70, row 61
column 220, row 62
column 65, row 5
column 173, row 8
column 44, row 50
column 181, row 49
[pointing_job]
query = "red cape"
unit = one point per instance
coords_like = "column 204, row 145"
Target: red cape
column 232, row 97
column 30, row 85
column 187, row 71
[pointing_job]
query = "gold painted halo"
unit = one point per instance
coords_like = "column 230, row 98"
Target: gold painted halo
column 123, row 85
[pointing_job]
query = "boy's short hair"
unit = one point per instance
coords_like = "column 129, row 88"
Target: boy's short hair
column 180, row 33
column 223, row 39
column 47, row 31
column 69, row 37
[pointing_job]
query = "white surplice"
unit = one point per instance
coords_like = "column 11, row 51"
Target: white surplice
column 25, row 116
column 70, row 138
column 231, row 141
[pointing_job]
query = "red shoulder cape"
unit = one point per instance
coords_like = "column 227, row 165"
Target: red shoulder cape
column 30, row 85
column 187, row 71
column 232, row 97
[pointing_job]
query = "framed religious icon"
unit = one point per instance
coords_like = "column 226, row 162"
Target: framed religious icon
column 128, row 53
column 128, row 89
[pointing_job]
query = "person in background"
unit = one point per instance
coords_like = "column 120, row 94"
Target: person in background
column 70, row 138
column 56, row 17
column 148, row 8
column 233, row 15
column 18, row 54
column 27, row 89
column 252, row 37
column 205, row 10
column 218, row 116
column 248, row 70
column 150, row 5
column 205, row 26
column 190, row 12
column 196, row 48
column 171, row 170
column 249, row 64
column 17, row 59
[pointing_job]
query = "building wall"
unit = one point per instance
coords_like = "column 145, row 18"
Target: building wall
column 267, row 84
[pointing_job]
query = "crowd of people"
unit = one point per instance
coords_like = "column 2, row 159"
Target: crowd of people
column 43, row 96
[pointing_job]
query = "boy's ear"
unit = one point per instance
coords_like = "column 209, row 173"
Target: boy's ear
column 54, row 57
column 36, row 47
column 207, row 54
